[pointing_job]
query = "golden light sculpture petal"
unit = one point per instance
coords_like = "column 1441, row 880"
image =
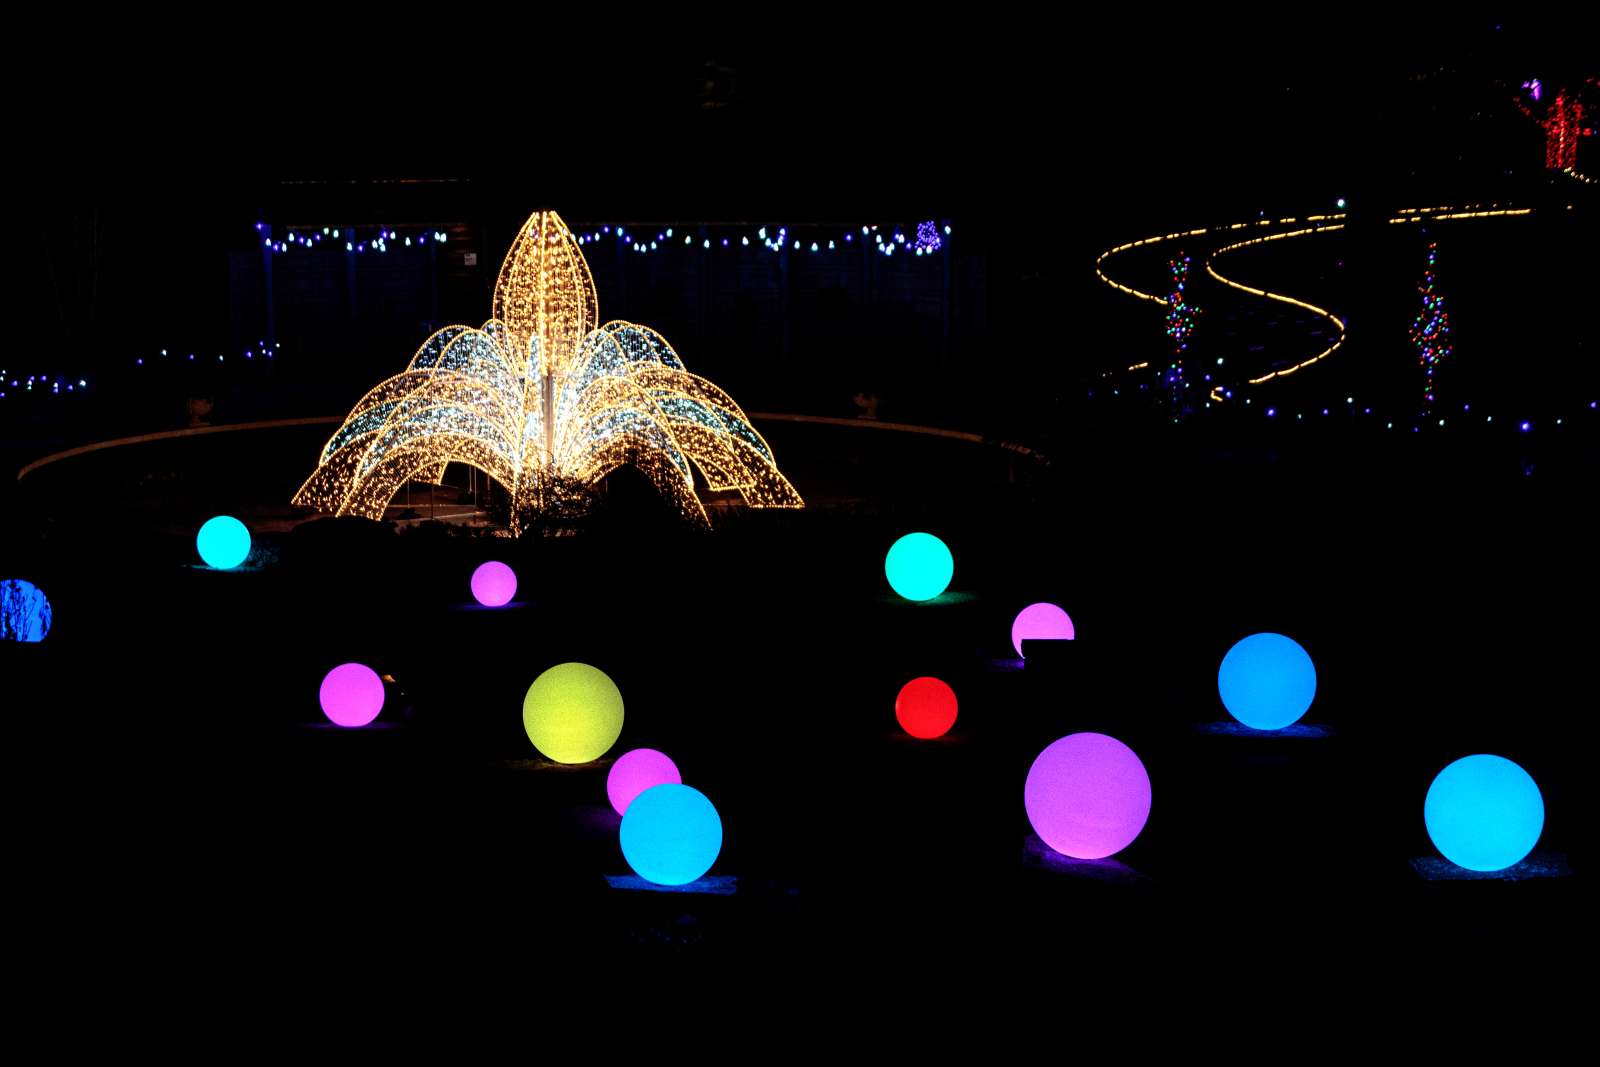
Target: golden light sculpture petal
column 545, row 293
column 373, row 491
column 547, row 403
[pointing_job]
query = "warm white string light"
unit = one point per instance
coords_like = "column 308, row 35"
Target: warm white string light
column 546, row 401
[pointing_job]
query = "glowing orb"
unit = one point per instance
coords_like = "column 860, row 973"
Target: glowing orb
column 1484, row 813
column 1266, row 681
column 24, row 611
column 223, row 542
column 1038, row 622
column 1087, row 796
column 351, row 694
column 671, row 834
column 494, row 584
column 636, row 771
column 919, row 566
column 573, row 713
column 926, row 707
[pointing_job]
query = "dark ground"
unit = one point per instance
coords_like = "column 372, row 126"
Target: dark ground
column 183, row 791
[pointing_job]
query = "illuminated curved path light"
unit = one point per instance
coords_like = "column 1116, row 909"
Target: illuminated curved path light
column 334, row 420
column 1304, row 226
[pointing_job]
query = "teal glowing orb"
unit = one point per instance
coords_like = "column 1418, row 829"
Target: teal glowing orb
column 1267, row 681
column 919, row 566
column 223, row 542
column 1484, row 813
column 671, row 834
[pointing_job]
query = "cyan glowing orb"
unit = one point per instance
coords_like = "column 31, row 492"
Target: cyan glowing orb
column 1267, row 681
column 1087, row 796
column 24, row 611
column 351, row 694
column 573, row 713
column 636, row 771
column 671, row 834
column 919, row 566
column 1041, row 622
column 926, row 708
column 1484, row 813
column 494, row 584
column 223, row 542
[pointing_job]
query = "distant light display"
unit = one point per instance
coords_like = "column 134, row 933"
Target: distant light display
column 671, row 834
column 351, row 694
column 1430, row 331
column 573, row 713
column 1041, row 622
column 1567, row 118
column 1267, row 681
column 24, row 611
column 1484, row 813
column 224, row 542
column 636, row 771
column 494, row 584
column 1180, row 324
column 546, row 400
column 926, row 708
column 1087, row 796
column 919, row 566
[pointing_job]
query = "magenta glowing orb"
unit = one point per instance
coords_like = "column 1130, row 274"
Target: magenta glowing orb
column 1087, row 796
column 351, row 695
column 494, row 584
column 636, row 771
column 1040, row 622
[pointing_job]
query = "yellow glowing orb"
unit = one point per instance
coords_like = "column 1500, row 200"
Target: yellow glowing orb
column 573, row 713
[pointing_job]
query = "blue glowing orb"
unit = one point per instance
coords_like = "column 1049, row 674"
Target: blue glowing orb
column 223, row 542
column 1484, row 813
column 919, row 566
column 24, row 611
column 671, row 834
column 1267, row 681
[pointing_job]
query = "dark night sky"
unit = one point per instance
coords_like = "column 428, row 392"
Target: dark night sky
column 830, row 124
column 1073, row 128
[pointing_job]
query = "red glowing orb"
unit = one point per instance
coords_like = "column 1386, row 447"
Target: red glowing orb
column 926, row 707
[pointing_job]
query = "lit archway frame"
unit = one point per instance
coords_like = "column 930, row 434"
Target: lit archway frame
column 543, row 398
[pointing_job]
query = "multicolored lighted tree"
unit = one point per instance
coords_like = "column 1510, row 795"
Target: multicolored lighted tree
column 1430, row 332
column 1180, row 324
column 547, row 402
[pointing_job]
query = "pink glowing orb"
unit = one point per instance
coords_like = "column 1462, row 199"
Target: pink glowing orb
column 1087, row 796
column 351, row 695
column 636, row 771
column 494, row 584
column 1040, row 622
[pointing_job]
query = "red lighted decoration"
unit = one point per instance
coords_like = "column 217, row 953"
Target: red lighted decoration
column 1564, row 120
column 926, row 708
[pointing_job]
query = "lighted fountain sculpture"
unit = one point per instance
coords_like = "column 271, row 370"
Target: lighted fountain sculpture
column 546, row 401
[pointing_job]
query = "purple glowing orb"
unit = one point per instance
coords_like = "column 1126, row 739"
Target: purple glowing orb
column 1087, row 796
column 494, row 584
column 1040, row 622
column 351, row 695
column 636, row 771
